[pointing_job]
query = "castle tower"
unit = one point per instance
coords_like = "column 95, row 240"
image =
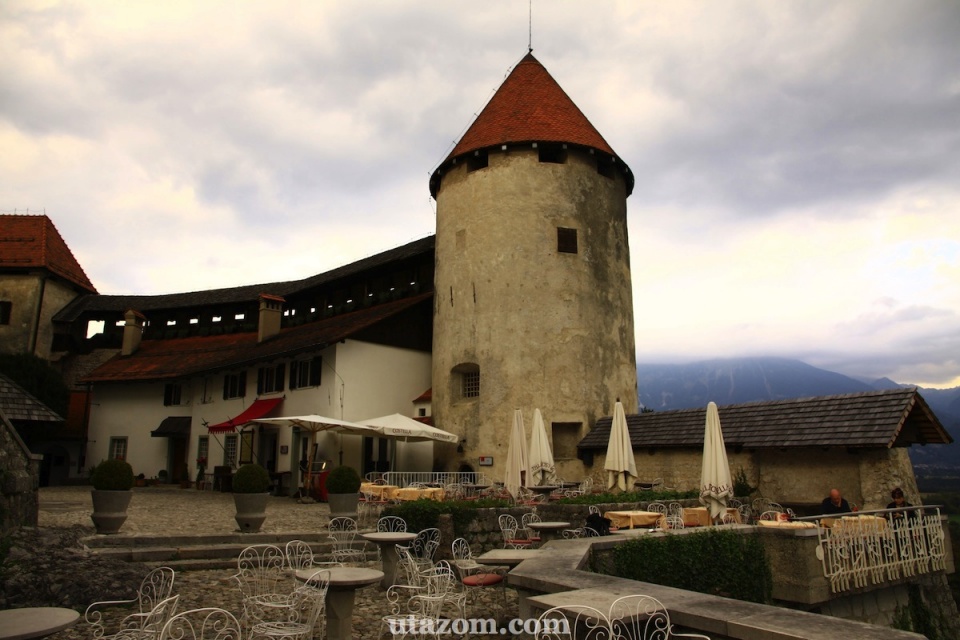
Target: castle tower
column 533, row 300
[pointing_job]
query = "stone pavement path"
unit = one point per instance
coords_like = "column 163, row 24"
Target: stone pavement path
column 175, row 511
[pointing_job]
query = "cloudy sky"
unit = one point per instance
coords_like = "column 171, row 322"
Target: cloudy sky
column 797, row 163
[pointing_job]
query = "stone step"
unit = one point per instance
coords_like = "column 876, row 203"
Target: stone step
column 201, row 552
column 245, row 539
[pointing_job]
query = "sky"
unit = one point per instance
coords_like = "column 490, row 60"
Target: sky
column 797, row 163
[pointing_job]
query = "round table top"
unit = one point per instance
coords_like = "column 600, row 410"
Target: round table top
column 388, row 536
column 544, row 488
column 344, row 577
column 548, row 525
column 35, row 622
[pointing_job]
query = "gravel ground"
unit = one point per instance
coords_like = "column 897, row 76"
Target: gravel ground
column 173, row 511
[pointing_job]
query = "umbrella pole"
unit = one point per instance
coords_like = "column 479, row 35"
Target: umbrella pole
column 309, row 473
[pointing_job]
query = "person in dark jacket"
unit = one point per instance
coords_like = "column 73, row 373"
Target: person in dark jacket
column 834, row 504
column 899, row 502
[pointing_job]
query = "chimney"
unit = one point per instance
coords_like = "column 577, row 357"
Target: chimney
column 270, row 314
column 132, row 331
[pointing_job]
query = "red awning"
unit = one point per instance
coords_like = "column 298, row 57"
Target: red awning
column 257, row 410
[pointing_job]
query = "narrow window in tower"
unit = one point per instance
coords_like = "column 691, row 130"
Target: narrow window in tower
column 553, row 154
column 566, row 240
column 6, row 309
column 477, row 161
column 471, row 384
column 605, row 167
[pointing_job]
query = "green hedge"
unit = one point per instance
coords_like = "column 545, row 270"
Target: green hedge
column 713, row 561
column 424, row 514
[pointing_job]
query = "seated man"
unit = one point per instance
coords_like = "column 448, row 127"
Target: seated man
column 834, row 504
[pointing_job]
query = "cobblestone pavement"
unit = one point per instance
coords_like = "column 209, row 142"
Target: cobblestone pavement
column 174, row 511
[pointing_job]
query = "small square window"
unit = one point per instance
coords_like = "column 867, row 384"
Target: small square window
column 566, row 240
column 118, row 448
column 172, row 394
column 6, row 308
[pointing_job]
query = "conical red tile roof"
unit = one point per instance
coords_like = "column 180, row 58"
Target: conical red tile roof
column 529, row 107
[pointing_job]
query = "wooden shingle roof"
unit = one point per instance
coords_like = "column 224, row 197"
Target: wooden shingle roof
column 32, row 242
column 530, row 106
column 20, row 406
column 874, row 419
column 182, row 357
column 246, row 293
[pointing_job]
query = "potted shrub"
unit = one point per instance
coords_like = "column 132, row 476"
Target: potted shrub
column 112, row 481
column 250, row 484
column 343, row 492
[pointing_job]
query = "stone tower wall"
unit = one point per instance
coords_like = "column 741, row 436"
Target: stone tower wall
column 547, row 329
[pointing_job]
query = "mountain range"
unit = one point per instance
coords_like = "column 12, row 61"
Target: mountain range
column 663, row 387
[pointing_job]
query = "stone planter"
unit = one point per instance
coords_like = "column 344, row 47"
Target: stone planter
column 251, row 511
column 109, row 509
column 343, row 504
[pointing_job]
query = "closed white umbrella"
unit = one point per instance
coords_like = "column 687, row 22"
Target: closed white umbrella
column 542, row 468
column 715, row 482
column 517, row 470
column 620, row 463
column 401, row 427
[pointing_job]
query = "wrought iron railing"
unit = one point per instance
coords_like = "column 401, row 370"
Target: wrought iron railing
column 877, row 546
column 405, row 478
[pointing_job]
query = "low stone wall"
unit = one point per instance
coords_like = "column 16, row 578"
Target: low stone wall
column 19, row 481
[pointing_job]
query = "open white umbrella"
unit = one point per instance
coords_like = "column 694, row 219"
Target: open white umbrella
column 542, row 467
column 315, row 424
column 620, row 463
column 401, row 427
column 715, row 483
column 517, row 470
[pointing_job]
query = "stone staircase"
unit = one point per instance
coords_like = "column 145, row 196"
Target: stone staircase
column 186, row 553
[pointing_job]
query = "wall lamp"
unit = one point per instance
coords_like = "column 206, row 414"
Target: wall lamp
column 460, row 446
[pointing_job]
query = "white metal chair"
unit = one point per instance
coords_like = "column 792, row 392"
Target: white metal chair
column 208, row 623
column 263, row 580
column 156, row 587
column 509, row 530
column 657, row 507
column 474, row 575
column 675, row 509
column 675, row 522
column 343, row 536
column 145, row 627
column 637, row 617
column 525, row 521
column 415, row 611
column 425, row 546
column 392, row 524
column 649, row 486
column 303, row 612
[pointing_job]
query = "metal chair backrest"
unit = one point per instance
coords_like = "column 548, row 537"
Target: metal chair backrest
column 675, row 509
column 260, row 569
column 392, row 524
column 426, row 543
column 641, row 617
column 657, row 507
column 593, row 509
column 461, row 551
column 674, row 522
column 209, row 623
column 299, row 555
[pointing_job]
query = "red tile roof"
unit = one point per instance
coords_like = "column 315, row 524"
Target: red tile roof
column 29, row 242
column 530, row 107
column 178, row 358
column 426, row 396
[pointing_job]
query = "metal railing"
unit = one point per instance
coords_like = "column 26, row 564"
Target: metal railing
column 405, row 478
column 880, row 545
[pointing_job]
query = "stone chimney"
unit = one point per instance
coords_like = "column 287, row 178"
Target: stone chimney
column 132, row 331
column 271, row 308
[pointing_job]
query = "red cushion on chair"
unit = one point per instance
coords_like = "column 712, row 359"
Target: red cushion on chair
column 520, row 541
column 483, row 579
